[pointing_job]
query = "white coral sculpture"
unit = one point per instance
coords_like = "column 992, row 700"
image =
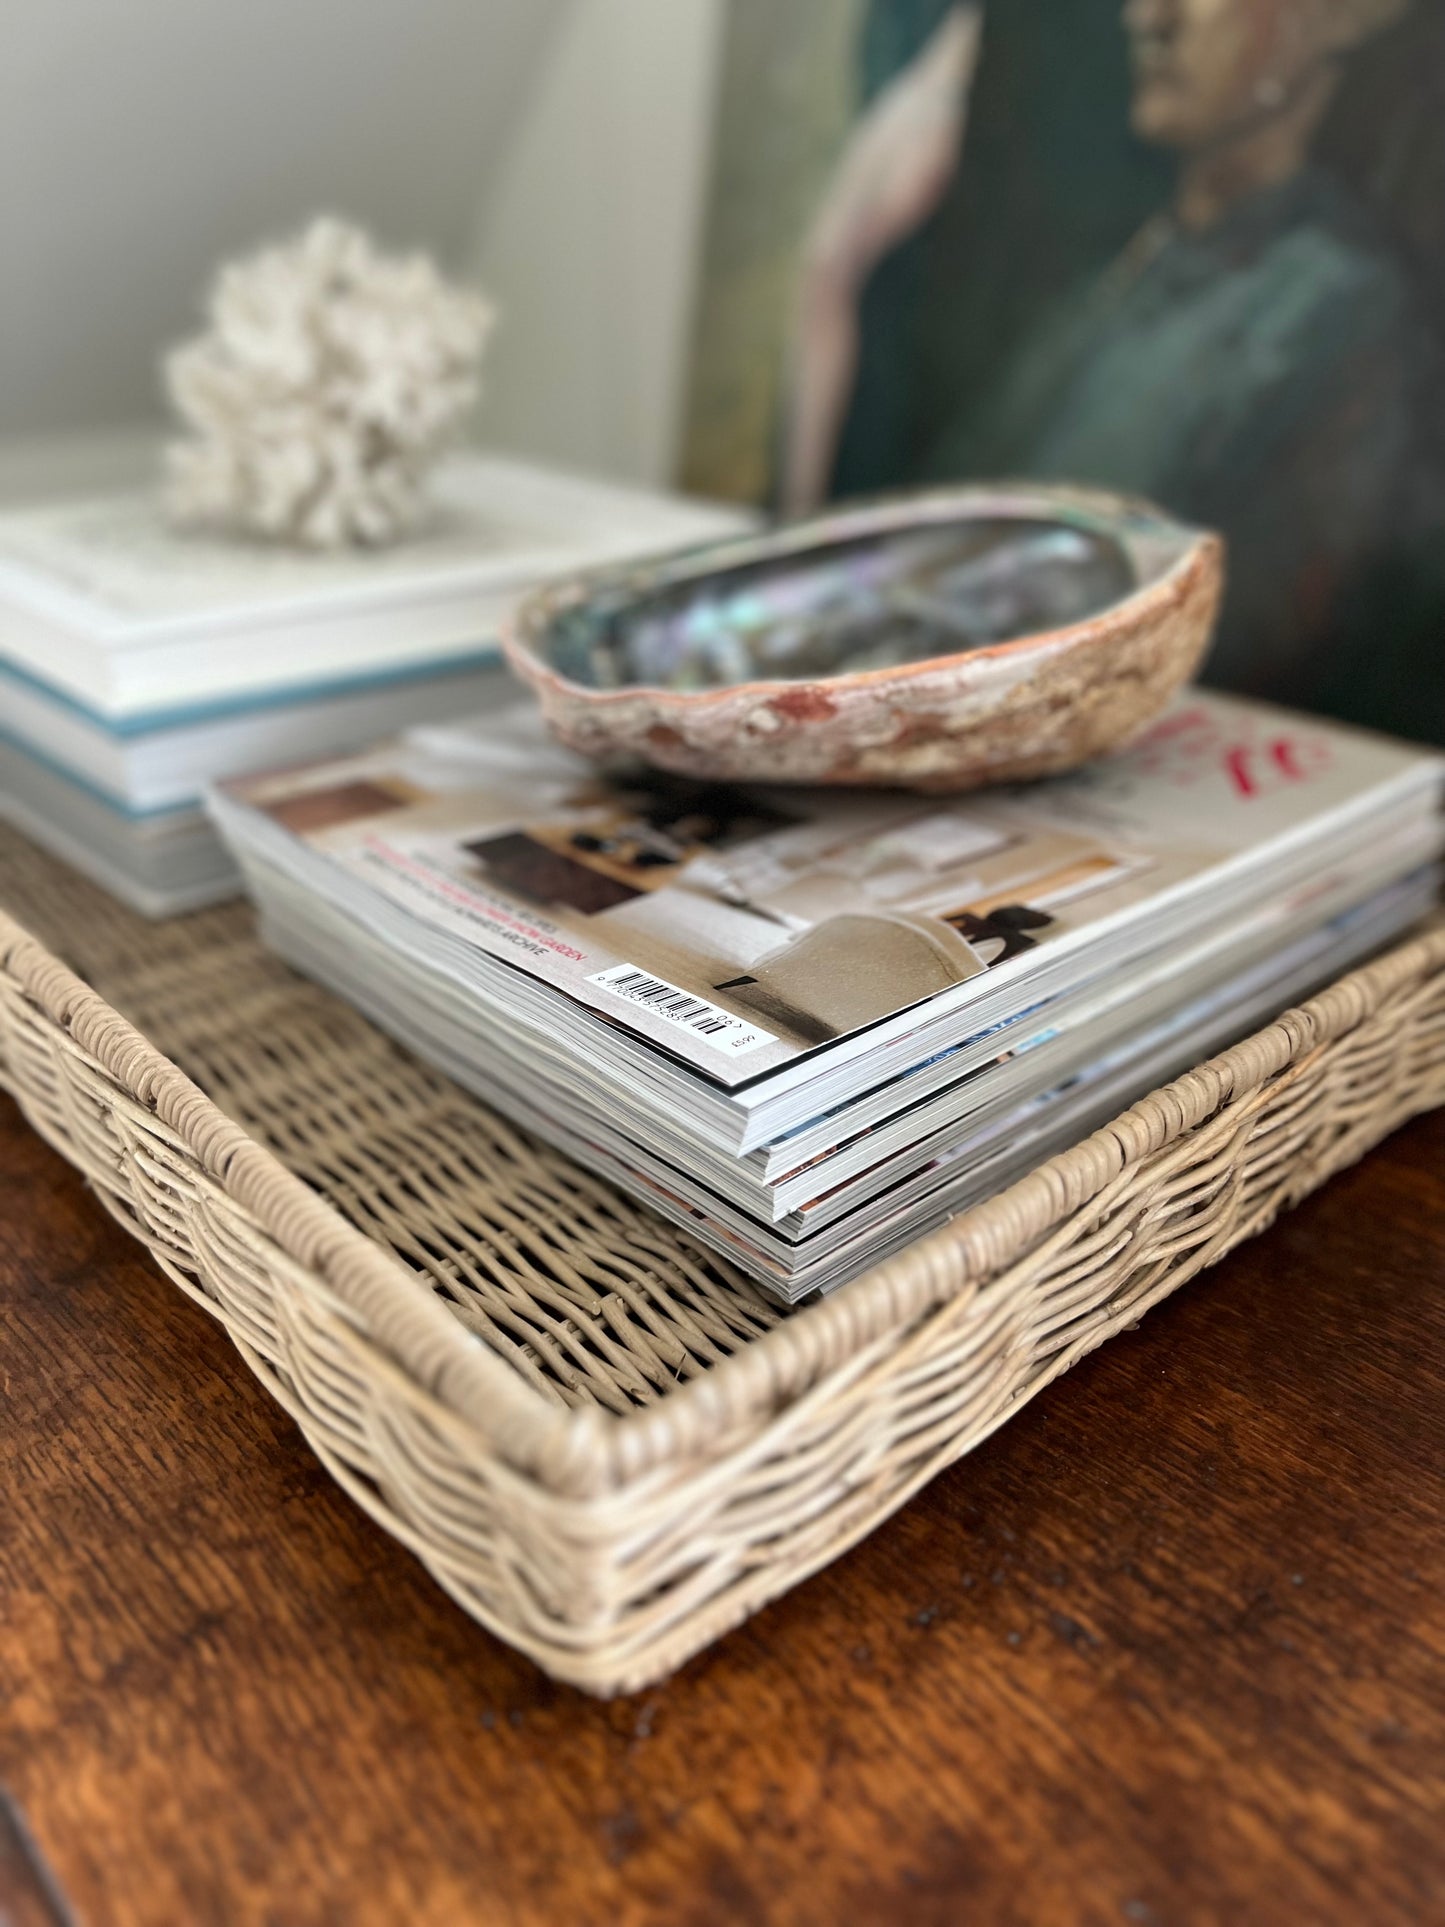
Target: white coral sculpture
column 330, row 378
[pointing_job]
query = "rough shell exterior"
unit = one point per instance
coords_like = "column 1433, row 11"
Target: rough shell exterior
column 1021, row 709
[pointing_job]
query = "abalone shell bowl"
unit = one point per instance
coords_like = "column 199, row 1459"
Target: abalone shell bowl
column 935, row 641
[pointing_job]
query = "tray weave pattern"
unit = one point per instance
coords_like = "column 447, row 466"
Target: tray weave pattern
column 601, row 1440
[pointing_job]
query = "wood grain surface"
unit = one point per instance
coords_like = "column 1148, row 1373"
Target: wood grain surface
column 1170, row 1648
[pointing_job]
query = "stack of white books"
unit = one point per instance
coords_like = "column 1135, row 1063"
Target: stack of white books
column 810, row 1025
column 139, row 664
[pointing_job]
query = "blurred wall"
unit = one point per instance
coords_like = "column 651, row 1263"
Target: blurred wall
column 592, row 237
column 786, row 94
column 556, row 149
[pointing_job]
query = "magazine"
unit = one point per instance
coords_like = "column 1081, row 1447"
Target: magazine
column 744, row 930
column 787, row 1014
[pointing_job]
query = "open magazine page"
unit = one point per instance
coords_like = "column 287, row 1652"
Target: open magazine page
column 742, row 929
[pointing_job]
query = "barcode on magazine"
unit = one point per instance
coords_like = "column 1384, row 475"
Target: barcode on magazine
column 718, row 1028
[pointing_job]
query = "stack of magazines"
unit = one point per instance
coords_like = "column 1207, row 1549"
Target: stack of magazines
column 810, row 1025
column 139, row 663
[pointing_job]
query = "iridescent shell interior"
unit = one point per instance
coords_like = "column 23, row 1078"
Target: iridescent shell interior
column 766, row 610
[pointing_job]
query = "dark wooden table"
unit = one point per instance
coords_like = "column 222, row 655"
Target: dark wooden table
column 1170, row 1648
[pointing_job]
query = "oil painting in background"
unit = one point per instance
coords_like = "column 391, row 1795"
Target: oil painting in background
column 1189, row 248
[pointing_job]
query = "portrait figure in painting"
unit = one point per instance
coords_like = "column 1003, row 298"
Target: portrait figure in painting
column 1257, row 342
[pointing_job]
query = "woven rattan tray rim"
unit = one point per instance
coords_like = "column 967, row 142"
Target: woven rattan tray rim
column 590, row 1453
column 403, row 1320
column 979, row 1244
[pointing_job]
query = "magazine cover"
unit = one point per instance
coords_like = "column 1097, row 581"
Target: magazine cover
column 740, row 928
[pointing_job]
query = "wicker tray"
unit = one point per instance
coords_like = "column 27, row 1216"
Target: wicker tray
column 602, row 1441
